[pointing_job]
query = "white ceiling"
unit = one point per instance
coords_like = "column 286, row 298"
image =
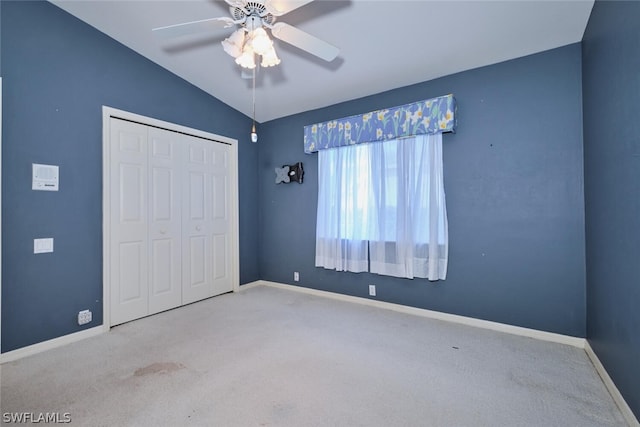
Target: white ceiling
column 383, row 44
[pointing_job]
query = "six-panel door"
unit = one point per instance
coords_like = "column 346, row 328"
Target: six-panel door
column 165, row 228
column 170, row 228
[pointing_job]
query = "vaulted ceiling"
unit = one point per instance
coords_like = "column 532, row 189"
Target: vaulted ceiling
column 383, row 44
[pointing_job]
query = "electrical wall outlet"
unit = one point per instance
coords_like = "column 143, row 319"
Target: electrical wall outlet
column 84, row 317
column 372, row 290
column 296, row 276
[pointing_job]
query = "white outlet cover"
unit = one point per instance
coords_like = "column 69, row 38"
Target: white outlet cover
column 84, row 317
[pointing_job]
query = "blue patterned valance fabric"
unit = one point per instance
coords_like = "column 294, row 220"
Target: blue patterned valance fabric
column 432, row 116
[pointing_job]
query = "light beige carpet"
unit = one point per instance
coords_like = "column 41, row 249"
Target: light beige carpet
column 272, row 357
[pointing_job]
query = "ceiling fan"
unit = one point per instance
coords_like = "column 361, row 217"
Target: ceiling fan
column 250, row 39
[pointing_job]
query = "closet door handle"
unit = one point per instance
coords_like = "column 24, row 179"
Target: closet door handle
column 198, row 228
column 163, row 231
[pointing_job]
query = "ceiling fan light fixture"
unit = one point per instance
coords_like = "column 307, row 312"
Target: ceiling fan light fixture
column 247, row 58
column 254, row 17
column 233, row 44
column 260, row 41
column 270, row 58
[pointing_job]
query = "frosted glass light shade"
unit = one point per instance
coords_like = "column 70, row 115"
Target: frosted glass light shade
column 233, row 44
column 270, row 58
column 260, row 41
column 247, row 59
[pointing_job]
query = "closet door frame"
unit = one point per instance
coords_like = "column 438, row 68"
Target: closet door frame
column 107, row 114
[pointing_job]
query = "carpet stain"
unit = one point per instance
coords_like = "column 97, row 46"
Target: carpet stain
column 161, row 368
column 283, row 411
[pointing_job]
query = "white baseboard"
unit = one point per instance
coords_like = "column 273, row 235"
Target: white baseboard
column 613, row 390
column 469, row 321
column 30, row 350
column 251, row 285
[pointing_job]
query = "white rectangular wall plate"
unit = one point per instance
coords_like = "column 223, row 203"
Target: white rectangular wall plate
column 45, row 177
column 84, row 317
column 42, row 246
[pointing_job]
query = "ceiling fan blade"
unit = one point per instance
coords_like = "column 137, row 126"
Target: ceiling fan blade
column 304, row 41
column 194, row 27
column 236, row 3
column 280, row 7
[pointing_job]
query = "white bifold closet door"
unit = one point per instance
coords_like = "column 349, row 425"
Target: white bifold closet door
column 169, row 220
column 205, row 221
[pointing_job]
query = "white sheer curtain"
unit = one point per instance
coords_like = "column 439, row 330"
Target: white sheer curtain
column 341, row 234
column 413, row 239
column 381, row 208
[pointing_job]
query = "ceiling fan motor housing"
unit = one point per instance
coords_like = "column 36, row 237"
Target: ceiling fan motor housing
column 254, row 9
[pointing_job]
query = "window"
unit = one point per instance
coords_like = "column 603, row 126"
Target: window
column 381, row 208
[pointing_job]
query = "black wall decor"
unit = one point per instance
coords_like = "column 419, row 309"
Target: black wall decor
column 289, row 173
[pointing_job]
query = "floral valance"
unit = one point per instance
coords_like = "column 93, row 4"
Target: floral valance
column 424, row 117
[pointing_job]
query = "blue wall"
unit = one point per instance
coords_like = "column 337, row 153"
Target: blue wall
column 514, row 188
column 0, row 39
column 611, row 90
column 57, row 74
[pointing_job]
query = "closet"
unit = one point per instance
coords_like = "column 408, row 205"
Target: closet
column 170, row 219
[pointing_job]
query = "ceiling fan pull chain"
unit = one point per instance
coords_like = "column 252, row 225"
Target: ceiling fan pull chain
column 254, row 134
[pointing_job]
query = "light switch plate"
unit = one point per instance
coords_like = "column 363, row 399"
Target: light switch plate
column 42, row 246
